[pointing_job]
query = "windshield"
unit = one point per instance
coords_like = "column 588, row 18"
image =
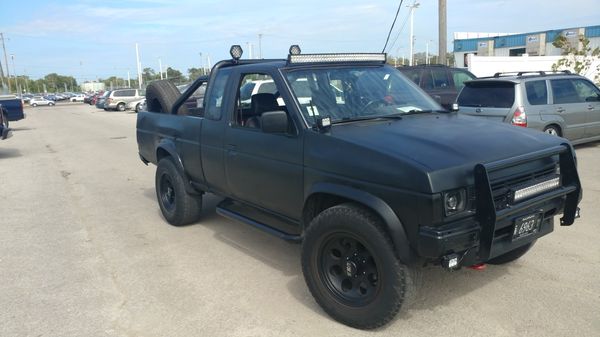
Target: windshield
column 358, row 92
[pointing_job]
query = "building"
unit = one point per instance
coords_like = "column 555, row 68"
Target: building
column 532, row 44
column 92, row 86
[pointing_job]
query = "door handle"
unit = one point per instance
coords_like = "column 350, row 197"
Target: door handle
column 231, row 148
column 561, row 110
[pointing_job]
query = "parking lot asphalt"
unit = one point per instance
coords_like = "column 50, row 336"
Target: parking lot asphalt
column 84, row 251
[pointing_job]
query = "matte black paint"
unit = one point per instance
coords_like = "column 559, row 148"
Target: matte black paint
column 398, row 168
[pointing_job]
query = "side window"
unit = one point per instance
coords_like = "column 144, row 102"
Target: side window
column 256, row 94
column 214, row 105
column 564, row 92
column 117, row 94
column 537, row 93
column 130, row 92
column 440, row 78
column 459, row 78
column 427, row 82
column 586, row 91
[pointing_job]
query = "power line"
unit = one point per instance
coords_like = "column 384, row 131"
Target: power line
column 400, row 31
column 392, row 27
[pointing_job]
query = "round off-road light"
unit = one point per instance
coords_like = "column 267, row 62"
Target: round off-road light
column 295, row 49
column 236, row 51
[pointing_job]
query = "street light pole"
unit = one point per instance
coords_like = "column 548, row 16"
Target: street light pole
column 412, row 7
column 160, row 68
column 12, row 57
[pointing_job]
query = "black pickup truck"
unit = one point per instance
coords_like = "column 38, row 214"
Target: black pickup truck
column 347, row 156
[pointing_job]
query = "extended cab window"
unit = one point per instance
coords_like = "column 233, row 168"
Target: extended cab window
column 490, row 94
column 214, row 105
column 256, row 94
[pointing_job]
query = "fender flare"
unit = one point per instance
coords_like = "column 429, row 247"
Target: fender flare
column 168, row 146
column 380, row 207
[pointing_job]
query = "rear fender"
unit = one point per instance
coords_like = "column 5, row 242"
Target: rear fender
column 166, row 148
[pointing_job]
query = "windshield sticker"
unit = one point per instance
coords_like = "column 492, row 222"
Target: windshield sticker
column 312, row 110
column 385, row 78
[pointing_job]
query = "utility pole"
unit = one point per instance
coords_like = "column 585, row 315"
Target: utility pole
column 442, row 34
column 2, row 76
column 160, row 68
column 5, row 60
column 412, row 7
column 427, row 52
column 139, row 66
column 128, row 80
column 260, row 46
column 208, row 61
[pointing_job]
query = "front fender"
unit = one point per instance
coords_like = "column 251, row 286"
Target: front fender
column 380, row 207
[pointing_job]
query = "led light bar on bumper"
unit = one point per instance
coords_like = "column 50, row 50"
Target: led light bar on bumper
column 342, row 57
column 536, row 189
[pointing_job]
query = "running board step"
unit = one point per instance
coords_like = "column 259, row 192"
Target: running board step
column 223, row 210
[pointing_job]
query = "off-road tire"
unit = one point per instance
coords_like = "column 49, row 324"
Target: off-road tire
column 179, row 208
column 395, row 281
column 4, row 118
column 512, row 255
column 161, row 96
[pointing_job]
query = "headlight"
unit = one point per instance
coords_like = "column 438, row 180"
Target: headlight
column 455, row 201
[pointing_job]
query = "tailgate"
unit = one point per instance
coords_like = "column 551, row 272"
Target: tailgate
column 489, row 99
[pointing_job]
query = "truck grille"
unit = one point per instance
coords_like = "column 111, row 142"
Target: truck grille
column 502, row 189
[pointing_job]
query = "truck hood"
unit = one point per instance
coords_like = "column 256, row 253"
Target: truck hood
column 439, row 149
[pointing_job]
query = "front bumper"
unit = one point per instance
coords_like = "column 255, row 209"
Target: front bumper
column 489, row 233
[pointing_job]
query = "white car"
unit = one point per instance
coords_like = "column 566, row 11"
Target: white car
column 39, row 100
column 77, row 98
column 136, row 105
column 252, row 88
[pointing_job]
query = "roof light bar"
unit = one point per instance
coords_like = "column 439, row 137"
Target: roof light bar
column 536, row 189
column 342, row 57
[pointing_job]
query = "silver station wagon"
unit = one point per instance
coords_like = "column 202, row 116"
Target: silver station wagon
column 561, row 104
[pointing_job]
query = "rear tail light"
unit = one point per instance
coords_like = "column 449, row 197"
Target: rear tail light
column 109, row 100
column 519, row 117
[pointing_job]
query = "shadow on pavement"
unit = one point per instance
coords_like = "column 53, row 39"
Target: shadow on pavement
column 436, row 287
column 9, row 153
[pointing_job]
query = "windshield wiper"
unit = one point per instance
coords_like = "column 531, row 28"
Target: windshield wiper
column 365, row 118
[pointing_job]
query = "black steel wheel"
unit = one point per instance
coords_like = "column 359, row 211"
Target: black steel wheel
column 351, row 269
column 348, row 269
column 177, row 206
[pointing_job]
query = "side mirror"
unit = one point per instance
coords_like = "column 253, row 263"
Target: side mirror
column 274, row 122
column 454, row 107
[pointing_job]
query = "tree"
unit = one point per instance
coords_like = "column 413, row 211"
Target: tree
column 150, row 75
column 175, row 75
column 578, row 58
column 194, row 73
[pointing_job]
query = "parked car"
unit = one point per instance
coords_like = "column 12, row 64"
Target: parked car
column 12, row 107
column 136, row 105
column 561, row 104
column 88, row 99
column 40, row 100
column 439, row 80
column 196, row 100
column 373, row 185
column 77, row 98
column 101, row 99
column 118, row 99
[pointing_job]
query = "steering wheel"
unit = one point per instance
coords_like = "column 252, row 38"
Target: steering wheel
column 373, row 103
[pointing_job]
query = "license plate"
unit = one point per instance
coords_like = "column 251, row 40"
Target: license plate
column 527, row 225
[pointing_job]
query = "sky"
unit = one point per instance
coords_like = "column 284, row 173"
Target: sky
column 96, row 39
